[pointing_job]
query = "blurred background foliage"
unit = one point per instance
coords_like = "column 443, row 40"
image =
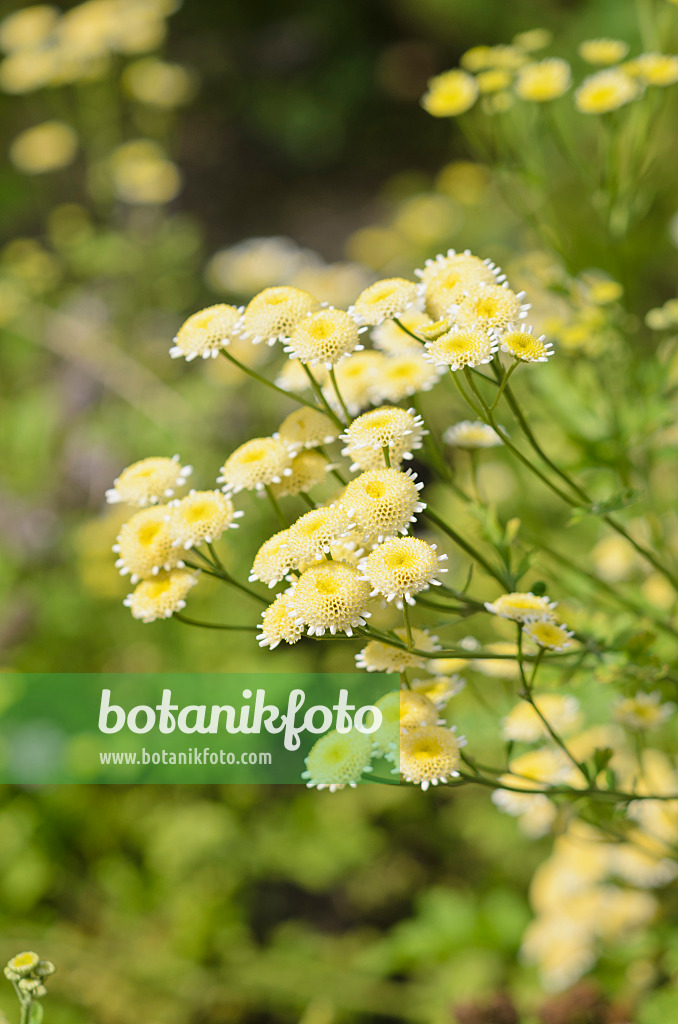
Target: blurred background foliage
column 299, row 120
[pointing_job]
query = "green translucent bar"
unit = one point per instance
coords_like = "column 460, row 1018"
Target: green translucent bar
column 162, row 728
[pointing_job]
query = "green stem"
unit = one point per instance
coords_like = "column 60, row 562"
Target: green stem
column 228, row 579
column 428, row 513
column 504, row 382
column 318, row 392
column 402, row 327
column 335, row 385
column 307, row 498
column 387, row 456
column 214, row 625
column 276, row 507
column 408, row 626
column 269, row 383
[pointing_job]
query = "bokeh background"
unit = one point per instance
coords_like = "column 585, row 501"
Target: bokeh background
column 297, row 125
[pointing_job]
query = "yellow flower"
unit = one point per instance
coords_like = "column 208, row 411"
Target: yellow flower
column 306, row 428
column 46, row 147
column 398, row 430
column 338, row 760
column 522, row 607
column 330, row 596
column 544, row 80
column 277, row 624
column 23, row 963
column 402, row 567
column 313, row 533
column 206, row 333
column 384, row 300
column 383, row 502
column 430, row 755
column 654, row 68
column 461, row 347
column 468, row 434
column 255, row 465
column 323, row 337
column 356, row 380
column 605, row 91
column 523, row 724
column 158, row 83
column 603, row 51
column 142, row 173
column 390, row 338
column 439, row 689
column 273, row 560
column 28, row 27
column 533, row 39
column 379, row 657
column 403, row 376
column 456, row 270
column 273, row 314
column 416, row 710
column 149, row 481
column 144, row 545
column 493, row 80
column 160, row 597
column 526, row 346
column 490, row 307
column 308, row 470
column 550, row 635
column 478, row 58
column 644, row 711
column 202, row 516
column 450, row 94
column 27, row 70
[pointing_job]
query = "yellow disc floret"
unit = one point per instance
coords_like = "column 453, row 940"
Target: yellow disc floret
column 384, row 300
column 459, row 348
column 383, row 502
column 149, row 482
column 490, row 307
column 429, row 755
column 526, row 346
column 402, row 567
column 255, row 464
column 306, row 428
column 548, row 634
column 202, row 516
column 277, row 624
column 308, row 470
column 398, row 430
column 274, row 313
column 273, row 560
column 606, row 91
column 544, row 80
column 206, row 333
column 330, row 596
column 338, row 759
column 450, row 94
column 312, row 534
column 416, row 710
column 523, row 607
column 144, row 545
column 603, row 51
column 380, row 657
column 324, row 337
column 161, row 596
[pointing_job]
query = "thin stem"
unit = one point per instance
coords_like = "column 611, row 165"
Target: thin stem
column 228, row 579
column 307, row 498
column 318, row 392
column 408, row 626
column 387, row 456
column 276, row 507
column 402, row 327
column 214, row 625
column 269, row 383
column 529, row 697
column 504, row 382
column 335, row 385
column 428, row 513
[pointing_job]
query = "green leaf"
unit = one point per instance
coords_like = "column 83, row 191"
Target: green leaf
column 36, row 1014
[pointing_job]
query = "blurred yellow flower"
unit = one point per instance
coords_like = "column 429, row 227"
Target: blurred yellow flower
column 28, row 27
column 143, row 174
column 654, row 68
column 605, row 91
column 493, row 80
column 159, row 83
column 533, row 39
column 450, row 94
column 544, row 80
column 603, row 51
